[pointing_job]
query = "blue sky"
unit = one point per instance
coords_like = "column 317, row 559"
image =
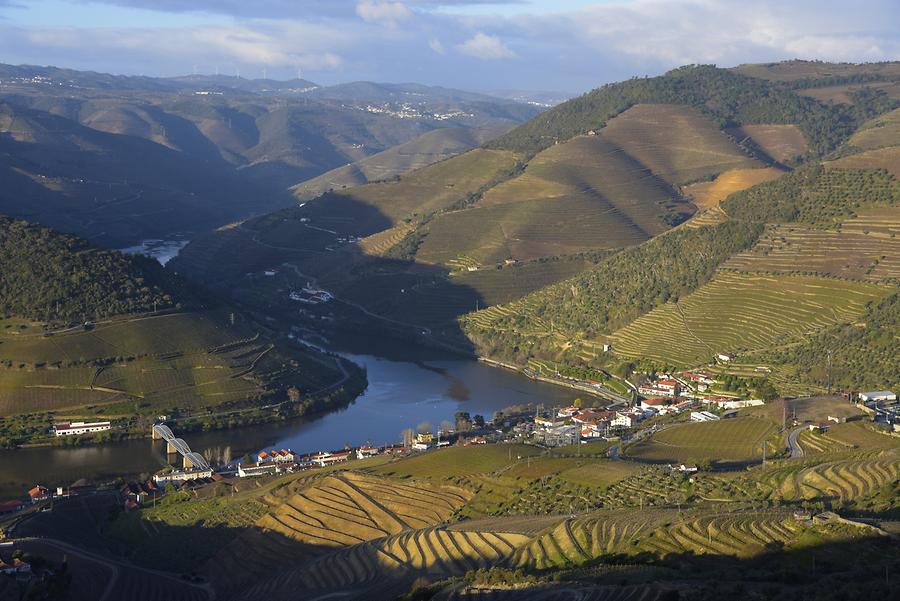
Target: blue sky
column 564, row 45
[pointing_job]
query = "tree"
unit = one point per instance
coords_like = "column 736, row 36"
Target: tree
column 766, row 391
column 577, row 403
column 445, row 427
column 424, row 427
column 463, row 421
column 478, row 421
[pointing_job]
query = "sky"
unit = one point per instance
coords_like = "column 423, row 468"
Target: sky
column 553, row 45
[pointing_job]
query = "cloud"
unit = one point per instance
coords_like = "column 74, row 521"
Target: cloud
column 387, row 13
column 409, row 40
column 486, row 47
column 436, row 45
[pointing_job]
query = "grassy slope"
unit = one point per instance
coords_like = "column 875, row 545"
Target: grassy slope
column 430, row 147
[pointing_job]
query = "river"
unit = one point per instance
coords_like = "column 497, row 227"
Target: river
column 407, row 386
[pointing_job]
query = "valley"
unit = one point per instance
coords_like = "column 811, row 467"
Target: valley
column 639, row 345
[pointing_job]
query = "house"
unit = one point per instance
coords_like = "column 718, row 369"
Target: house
column 684, row 468
column 275, row 456
column 668, row 384
column 260, row 469
column 703, row 416
column 820, row 427
column 653, row 403
column 877, row 396
column 547, row 422
column 421, row 446
column 38, row 494
column 567, row 412
column 626, row 419
column 724, row 358
column 475, row 440
column 559, row 436
column 649, row 390
column 424, row 437
column 366, row 451
column 7, row 507
column 182, row 475
column 324, row 459
column 78, row 428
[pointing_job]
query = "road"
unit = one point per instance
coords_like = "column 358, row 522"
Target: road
column 793, row 445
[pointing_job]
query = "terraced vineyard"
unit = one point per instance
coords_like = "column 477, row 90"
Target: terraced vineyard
column 675, row 142
column 784, row 143
column 813, row 442
column 436, row 552
column 858, row 251
column 738, row 312
column 732, row 440
column 842, row 479
column 367, row 209
column 188, row 360
column 576, row 541
column 880, row 158
column 559, row 592
column 335, row 511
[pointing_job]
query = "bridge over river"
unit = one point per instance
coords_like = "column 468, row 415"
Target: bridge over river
column 177, row 445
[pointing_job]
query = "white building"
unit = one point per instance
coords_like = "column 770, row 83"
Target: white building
column 703, row 416
column 182, row 475
column 77, row 428
column 878, row 395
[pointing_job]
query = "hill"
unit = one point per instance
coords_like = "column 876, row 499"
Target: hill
column 430, row 147
column 144, row 345
column 191, row 154
column 661, row 216
column 47, row 276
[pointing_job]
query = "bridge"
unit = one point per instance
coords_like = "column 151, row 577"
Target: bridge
column 177, row 445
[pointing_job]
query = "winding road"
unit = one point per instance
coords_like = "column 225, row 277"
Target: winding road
column 793, row 445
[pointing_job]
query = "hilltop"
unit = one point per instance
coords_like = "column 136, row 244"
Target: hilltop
column 93, row 333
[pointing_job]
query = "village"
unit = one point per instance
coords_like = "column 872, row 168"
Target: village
column 665, row 399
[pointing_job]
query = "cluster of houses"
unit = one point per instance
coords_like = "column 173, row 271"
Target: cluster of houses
column 569, row 425
column 35, row 495
column 134, row 494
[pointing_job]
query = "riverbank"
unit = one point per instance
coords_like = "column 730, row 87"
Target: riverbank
column 594, row 390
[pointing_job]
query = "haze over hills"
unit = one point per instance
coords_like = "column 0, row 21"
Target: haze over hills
column 192, row 153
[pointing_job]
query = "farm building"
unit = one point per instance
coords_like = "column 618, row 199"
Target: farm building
column 703, row 416
column 182, row 475
column 877, row 396
column 656, row 391
column 260, row 469
column 78, row 428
